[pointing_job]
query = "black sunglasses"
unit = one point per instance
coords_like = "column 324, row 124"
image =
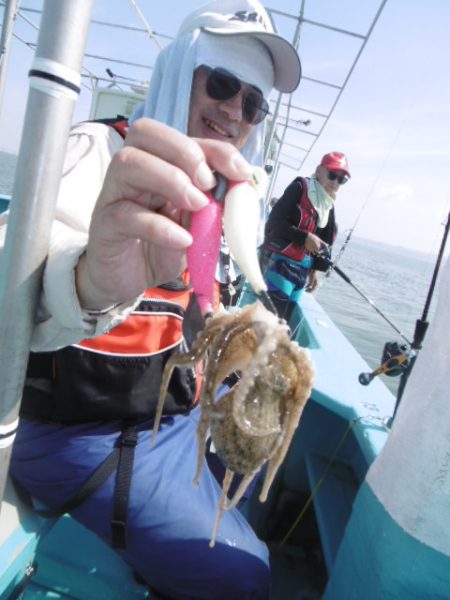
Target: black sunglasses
column 341, row 178
column 223, row 85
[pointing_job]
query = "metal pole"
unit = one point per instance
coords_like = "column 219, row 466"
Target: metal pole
column 271, row 134
column 53, row 91
column 9, row 14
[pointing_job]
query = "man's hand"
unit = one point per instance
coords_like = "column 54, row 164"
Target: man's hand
column 138, row 233
column 313, row 243
column 313, row 281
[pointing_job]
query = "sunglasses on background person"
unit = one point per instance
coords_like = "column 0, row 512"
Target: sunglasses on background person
column 223, row 85
column 341, row 178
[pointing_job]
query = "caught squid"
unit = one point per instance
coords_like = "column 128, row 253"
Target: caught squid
column 254, row 421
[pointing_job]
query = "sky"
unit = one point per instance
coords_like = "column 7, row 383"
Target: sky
column 392, row 118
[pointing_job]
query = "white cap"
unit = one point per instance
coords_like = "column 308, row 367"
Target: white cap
column 248, row 18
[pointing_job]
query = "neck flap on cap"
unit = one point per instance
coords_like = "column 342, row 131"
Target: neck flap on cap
column 170, row 90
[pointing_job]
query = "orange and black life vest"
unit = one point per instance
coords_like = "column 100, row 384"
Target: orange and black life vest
column 118, row 374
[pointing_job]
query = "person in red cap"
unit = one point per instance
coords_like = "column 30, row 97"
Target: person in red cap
column 300, row 231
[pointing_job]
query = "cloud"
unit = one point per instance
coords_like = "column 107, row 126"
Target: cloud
column 398, row 193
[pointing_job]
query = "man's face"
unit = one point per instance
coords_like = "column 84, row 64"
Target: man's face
column 217, row 119
column 331, row 186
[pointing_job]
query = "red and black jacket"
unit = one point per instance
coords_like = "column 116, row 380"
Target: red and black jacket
column 292, row 218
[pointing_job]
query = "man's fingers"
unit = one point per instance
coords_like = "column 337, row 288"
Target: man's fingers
column 195, row 157
column 151, row 181
column 172, row 147
column 224, row 157
column 130, row 220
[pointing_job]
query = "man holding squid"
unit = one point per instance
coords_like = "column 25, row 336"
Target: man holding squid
column 113, row 278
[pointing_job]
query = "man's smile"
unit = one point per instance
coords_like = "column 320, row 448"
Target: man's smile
column 216, row 128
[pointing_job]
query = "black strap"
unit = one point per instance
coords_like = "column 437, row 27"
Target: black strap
column 121, row 458
column 95, row 481
column 128, row 443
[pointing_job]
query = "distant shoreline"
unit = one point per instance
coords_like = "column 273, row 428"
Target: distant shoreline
column 367, row 242
column 8, row 162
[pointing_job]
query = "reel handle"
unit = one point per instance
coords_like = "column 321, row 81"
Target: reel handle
column 366, row 378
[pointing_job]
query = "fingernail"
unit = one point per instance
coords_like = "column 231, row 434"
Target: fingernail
column 197, row 198
column 205, row 177
column 241, row 165
column 181, row 238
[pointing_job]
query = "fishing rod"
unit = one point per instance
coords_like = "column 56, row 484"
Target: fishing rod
column 399, row 359
column 325, row 256
column 422, row 323
column 347, row 279
column 374, row 186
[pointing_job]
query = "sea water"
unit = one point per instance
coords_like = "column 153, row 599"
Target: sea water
column 7, row 166
column 395, row 280
column 391, row 279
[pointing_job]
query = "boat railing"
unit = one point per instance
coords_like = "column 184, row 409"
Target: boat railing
column 301, row 332
column 4, row 202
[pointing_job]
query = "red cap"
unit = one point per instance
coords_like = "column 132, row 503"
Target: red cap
column 336, row 161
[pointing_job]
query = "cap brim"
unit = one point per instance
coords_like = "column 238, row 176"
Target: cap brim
column 287, row 66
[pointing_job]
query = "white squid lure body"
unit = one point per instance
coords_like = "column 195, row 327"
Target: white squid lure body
column 241, row 217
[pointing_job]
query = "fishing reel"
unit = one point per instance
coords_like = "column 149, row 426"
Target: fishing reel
column 395, row 360
column 322, row 259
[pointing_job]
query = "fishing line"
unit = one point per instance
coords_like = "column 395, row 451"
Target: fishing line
column 333, row 265
column 331, row 461
column 297, row 327
column 375, row 183
column 318, row 485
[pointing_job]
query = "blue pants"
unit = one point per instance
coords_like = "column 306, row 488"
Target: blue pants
column 170, row 520
column 286, row 280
